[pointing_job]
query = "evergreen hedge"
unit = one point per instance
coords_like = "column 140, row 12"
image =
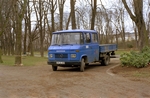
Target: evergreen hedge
column 136, row 59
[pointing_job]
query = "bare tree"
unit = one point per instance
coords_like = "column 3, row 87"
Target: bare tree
column 103, row 24
column 120, row 23
column 28, row 27
column 83, row 17
column 41, row 10
column 53, row 4
column 19, row 11
column 138, row 18
column 67, row 21
column 5, row 12
column 40, row 27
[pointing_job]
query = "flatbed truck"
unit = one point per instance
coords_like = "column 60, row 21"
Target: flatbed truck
column 78, row 48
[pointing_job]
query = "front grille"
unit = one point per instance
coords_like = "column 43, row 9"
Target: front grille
column 61, row 55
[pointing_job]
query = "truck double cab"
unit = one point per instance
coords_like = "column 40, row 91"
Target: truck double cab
column 78, row 48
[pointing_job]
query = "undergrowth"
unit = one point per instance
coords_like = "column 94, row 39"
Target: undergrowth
column 136, row 59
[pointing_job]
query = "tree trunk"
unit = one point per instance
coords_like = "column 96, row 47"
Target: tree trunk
column 19, row 14
column 137, row 17
column 67, row 24
column 136, row 39
column 123, row 28
column 41, row 32
column 94, row 5
column 61, row 8
column 1, row 61
column 53, row 9
column 18, row 60
column 30, row 37
column 25, row 37
column 117, row 36
column 73, row 20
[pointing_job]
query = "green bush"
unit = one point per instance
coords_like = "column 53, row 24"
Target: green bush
column 129, row 45
column 136, row 59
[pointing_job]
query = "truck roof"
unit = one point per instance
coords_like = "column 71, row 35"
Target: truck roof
column 76, row 31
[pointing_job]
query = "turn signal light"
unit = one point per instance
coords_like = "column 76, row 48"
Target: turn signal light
column 77, row 50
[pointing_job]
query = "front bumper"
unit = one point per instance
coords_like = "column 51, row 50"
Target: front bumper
column 66, row 63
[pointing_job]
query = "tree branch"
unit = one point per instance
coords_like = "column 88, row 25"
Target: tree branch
column 128, row 10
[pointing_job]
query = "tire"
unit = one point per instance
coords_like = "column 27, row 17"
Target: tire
column 106, row 60
column 82, row 66
column 54, row 67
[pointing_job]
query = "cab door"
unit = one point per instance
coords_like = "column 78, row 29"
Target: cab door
column 95, row 46
column 88, row 47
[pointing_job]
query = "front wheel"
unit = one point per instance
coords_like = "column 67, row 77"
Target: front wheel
column 82, row 66
column 54, row 67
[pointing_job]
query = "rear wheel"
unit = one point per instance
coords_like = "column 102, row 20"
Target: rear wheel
column 54, row 67
column 82, row 66
column 106, row 60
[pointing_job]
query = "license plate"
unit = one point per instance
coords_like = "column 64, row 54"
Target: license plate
column 60, row 62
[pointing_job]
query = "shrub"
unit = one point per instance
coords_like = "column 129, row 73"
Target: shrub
column 136, row 59
column 129, row 45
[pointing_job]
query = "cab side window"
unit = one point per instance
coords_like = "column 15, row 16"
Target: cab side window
column 94, row 37
column 87, row 37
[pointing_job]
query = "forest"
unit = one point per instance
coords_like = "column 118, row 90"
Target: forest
column 26, row 26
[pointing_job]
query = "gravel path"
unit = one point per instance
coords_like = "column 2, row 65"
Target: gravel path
column 42, row 82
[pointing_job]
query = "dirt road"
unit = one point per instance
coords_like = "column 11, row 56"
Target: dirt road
column 42, row 82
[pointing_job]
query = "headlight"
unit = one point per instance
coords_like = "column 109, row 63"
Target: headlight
column 73, row 55
column 50, row 55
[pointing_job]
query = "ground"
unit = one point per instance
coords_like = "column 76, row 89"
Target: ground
column 112, row 81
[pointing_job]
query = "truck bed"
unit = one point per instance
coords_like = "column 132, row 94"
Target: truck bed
column 107, row 48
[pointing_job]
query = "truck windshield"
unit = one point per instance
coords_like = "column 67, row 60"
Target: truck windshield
column 67, row 38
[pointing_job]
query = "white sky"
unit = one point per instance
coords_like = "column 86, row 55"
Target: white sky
column 106, row 3
column 109, row 4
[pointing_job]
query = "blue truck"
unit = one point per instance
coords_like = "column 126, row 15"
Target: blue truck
column 78, row 48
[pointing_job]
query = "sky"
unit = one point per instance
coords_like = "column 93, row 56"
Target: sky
column 108, row 4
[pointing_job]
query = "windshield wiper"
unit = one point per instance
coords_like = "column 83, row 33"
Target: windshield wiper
column 66, row 44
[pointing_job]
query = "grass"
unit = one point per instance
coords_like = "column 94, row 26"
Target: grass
column 121, row 51
column 32, row 61
column 26, row 60
column 38, row 53
column 141, row 74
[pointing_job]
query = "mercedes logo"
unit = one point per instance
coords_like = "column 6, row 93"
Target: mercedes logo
column 61, row 55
